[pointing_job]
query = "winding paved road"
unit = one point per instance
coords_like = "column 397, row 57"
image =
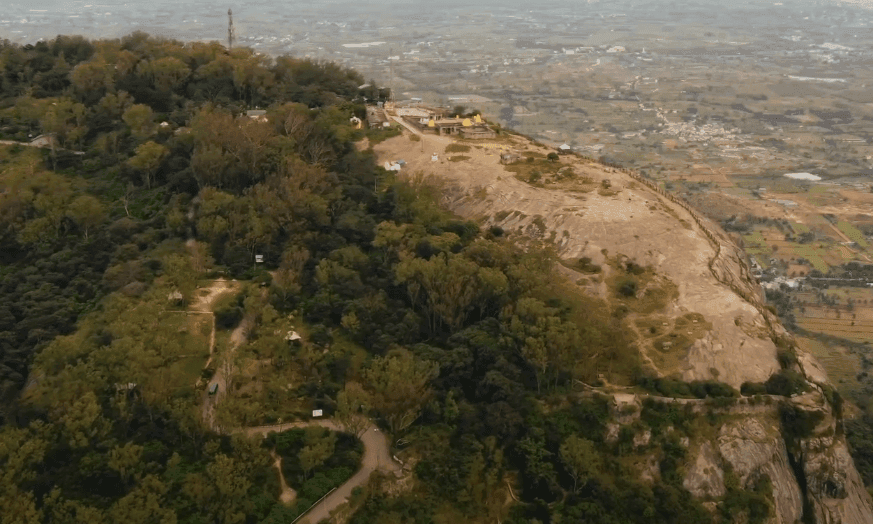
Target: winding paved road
column 376, row 457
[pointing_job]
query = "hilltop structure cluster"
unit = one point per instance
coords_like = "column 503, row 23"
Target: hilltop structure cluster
column 437, row 121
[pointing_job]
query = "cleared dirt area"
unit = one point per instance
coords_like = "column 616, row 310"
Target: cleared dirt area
column 207, row 295
column 287, row 495
column 627, row 219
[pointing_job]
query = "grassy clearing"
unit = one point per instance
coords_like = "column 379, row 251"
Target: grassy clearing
column 222, row 341
column 755, row 239
column 652, row 326
column 458, row 158
column 188, row 337
column 457, row 148
column 642, row 292
column 671, row 347
column 526, row 170
column 609, row 346
column 201, row 325
column 187, row 332
column 799, row 228
column 280, row 376
column 186, row 371
column 378, row 135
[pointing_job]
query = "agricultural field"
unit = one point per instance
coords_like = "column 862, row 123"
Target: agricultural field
column 762, row 242
column 770, row 242
column 853, row 233
column 814, row 255
column 858, row 294
column 841, row 365
column 799, row 228
column 755, row 239
column 844, row 327
column 846, row 253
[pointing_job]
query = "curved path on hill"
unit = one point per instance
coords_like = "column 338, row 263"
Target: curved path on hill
column 376, row 457
column 31, row 144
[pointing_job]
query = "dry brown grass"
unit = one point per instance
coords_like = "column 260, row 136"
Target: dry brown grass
column 608, row 192
column 654, row 292
column 457, row 148
column 671, row 347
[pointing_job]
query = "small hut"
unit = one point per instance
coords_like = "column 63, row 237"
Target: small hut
column 176, row 298
column 294, row 338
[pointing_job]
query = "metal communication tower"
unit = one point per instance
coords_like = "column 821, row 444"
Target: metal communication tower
column 231, row 32
column 391, row 69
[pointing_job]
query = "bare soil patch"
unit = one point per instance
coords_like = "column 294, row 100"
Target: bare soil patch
column 635, row 222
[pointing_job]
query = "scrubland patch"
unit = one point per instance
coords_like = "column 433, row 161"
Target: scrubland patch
column 457, row 148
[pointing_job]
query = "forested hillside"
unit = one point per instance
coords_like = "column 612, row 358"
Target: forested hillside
column 463, row 344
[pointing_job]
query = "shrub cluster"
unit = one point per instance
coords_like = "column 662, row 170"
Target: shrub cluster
column 669, row 387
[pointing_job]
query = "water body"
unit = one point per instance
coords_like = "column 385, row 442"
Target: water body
column 813, row 79
column 365, row 44
column 803, row 176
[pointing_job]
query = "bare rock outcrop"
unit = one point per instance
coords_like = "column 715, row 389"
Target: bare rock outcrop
column 754, row 447
column 834, row 487
column 712, row 274
column 704, row 478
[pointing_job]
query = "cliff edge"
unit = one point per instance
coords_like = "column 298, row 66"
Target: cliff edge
column 707, row 319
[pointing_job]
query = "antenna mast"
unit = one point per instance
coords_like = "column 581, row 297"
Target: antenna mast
column 391, row 68
column 231, row 33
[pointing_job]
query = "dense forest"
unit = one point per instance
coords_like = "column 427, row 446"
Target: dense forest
column 462, row 344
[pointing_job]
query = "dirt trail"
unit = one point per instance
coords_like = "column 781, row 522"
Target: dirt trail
column 218, row 287
column 636, row 222
column 204, row 305
column 237, row 338
column 377, row 455
column 288, row 495
column 640, row 338
column 41, row 146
